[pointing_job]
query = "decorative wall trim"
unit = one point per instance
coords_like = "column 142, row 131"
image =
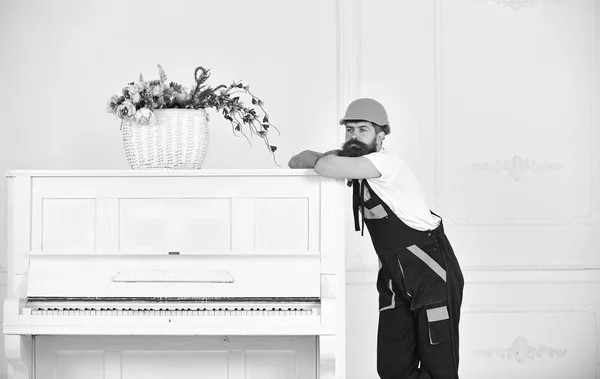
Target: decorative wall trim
column 591, row 218
column 591, row 309
column 594, row 310
column 499, row 274
column 515, row 5
column 3, row 276
column 521, row 351
column 516, row 167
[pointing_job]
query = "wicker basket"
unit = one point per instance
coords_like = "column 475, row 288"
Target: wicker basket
column 177, row 139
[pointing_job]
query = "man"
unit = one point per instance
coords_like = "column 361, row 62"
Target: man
column 420, row 283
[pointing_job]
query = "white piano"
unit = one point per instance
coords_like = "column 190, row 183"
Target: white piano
column 212, row 274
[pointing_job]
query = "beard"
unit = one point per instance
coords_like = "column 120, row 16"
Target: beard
column 356, row 148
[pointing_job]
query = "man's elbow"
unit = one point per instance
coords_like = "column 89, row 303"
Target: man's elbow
column 320, row 168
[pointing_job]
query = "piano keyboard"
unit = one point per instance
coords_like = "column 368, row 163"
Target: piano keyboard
column 171, row 312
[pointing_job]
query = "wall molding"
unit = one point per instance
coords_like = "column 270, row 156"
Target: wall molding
column 592, row 309
column 516, row 167
column 499, row 274
column 521, row 350
column 515, row 5
column 591, row 217
column 3, row 275
column 591, row 220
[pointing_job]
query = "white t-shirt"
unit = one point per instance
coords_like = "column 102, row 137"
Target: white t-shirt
column 406, row 200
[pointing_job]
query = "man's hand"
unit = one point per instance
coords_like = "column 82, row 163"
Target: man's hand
column 305, row 159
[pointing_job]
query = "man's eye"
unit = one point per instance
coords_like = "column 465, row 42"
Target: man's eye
column 363, row 130
column 349, row 130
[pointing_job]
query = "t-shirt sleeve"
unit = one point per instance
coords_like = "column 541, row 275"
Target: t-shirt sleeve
column 387, row 163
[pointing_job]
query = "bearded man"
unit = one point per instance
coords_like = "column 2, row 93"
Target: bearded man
column 420, row 282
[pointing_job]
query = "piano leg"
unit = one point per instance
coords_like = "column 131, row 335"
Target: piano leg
column 19, row 356
column 331, row 358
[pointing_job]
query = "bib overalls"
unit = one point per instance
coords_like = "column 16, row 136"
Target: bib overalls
column 420, row 287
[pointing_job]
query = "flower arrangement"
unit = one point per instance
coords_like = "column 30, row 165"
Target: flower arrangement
column 139, row 100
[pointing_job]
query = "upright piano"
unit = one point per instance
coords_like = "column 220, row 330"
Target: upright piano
column 224, row 274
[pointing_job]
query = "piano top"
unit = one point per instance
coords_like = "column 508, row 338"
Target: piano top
column 162, row 173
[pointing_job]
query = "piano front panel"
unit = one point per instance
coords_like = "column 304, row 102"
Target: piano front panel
column 214, row 357
column 217, row 214
column 68, row 224
column 288, row 217
column 175, row 224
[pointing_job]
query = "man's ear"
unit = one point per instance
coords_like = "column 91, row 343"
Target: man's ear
column 380, row 137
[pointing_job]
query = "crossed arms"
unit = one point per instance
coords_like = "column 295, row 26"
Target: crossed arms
column 331, row 165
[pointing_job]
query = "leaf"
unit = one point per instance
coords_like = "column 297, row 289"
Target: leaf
column 261, row 133
column 253, row 101
column 273, row 148
column 265, row 126
column 237, row 128
column 265, row 119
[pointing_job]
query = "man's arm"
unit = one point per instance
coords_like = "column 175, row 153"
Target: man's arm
column 333, row 166
column 308, row 158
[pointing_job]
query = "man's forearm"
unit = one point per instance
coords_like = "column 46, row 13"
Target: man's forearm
column 330, row 152
column 308, row 158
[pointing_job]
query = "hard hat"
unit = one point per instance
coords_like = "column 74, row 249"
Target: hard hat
column 367, row 109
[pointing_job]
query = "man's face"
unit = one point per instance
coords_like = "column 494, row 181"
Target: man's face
column 361, row 139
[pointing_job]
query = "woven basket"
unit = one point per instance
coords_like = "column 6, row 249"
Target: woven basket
column 177, row 139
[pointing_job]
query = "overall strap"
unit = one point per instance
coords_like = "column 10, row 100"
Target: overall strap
column 358, row 194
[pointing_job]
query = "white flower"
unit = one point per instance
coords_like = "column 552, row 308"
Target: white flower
column 135, row 98
column 144, row 116
column 129, row 91
column 157, row 90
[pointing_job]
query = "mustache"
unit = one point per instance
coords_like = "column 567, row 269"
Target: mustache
column 355, row 148
column 352, row 143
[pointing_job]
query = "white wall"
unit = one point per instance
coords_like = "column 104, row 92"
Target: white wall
column 467, row 83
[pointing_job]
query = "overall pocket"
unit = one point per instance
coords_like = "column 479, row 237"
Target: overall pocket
column 387, row 293
column 423, row 277
column 438, row 323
